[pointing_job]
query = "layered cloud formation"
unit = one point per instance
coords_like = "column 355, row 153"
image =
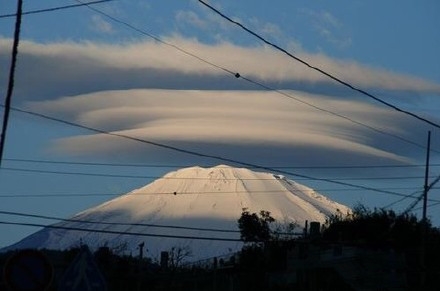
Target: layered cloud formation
column 153, row 91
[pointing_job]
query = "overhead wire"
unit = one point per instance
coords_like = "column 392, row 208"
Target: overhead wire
column 429, row 206
column 198, row 178
column 139, row 234
column 428, row 187
column 54, row 8
column 307, row 64
column 411, row 195
column 142, row 165
column 86, row 221
column 95, row 222
column 414, row 203
column 67, row 195
column 418, row 198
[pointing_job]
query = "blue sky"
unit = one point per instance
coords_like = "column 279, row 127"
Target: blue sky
column 81, row 66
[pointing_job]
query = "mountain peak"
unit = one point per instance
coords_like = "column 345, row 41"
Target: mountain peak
column 195, row 198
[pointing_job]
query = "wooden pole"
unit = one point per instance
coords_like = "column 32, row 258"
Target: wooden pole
column 11, row 78
column 424, row 218
column 426, row 187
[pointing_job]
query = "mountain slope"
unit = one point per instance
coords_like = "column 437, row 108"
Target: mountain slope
column 192, row 197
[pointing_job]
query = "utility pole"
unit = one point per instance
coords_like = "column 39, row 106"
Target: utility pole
column 424, row 217
column 11, row 78
column 426, row 187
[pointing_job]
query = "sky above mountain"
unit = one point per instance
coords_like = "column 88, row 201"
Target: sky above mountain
column 162, row 75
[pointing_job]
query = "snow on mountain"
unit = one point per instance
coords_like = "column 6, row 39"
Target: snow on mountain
column 192, row 197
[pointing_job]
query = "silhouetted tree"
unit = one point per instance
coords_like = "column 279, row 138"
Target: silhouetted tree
column 178, row 254
column 254, row 227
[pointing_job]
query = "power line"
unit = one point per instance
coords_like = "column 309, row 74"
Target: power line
column 138, row 165
column 429, row 187
column 319, row 190
column 11, row 78
column 200, row 178
column 120, row 232
column 98, row 164
column 11, row 213
column 344, row 83
column 429, row 206
column 88, row 174
column 411, row 195
column 55, row 8
column 220, row 230
column 187, row 192
column 198, row 154
column 238, row 75
column 58, row 195
column 414, row 203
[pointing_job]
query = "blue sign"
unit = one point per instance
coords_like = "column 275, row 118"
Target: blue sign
column 83, row 274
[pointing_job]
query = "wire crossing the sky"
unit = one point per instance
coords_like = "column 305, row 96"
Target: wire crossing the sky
column 117, row 223
column 55, row 8
column 369, row 178
column 141, row 234
column 265, row 192
column 346, row 84
column 138, row 165
column 58, row 226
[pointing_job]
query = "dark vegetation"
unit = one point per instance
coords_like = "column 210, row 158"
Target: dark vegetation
column 255, row 227
column 379, row 228
column 383, row 249
column 367, row 249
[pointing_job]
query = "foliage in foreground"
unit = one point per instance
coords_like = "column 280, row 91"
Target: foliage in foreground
column 378, row 228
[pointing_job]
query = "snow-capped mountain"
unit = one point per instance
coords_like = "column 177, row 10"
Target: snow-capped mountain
column 188, row 202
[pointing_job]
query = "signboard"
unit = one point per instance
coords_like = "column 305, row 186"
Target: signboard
column 28, row 270
column 83, row 274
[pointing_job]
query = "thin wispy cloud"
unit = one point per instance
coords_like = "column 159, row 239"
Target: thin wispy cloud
column 190, row 18
column 101, row 25
column 329, row 27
